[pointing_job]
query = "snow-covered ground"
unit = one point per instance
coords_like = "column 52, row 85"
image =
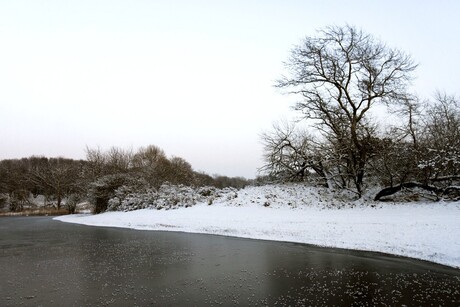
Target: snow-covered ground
column 295, row 213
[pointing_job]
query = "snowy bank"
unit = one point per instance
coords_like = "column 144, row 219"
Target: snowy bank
column 294, row 213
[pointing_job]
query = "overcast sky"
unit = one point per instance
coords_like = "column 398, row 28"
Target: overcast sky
column 192, row 77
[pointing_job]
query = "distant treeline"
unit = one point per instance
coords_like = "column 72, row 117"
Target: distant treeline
column 96, row 178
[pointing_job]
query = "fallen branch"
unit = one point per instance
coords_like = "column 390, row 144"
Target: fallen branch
column 408, row 185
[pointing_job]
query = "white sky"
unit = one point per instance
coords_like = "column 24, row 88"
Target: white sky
column 192, row 77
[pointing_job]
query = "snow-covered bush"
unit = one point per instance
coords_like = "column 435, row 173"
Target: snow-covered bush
column 71, row 203
column 167, row 197
column 108, row 187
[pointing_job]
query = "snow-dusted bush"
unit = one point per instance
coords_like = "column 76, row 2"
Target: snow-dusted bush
column 109, row 187
column 71, row 203
column 167, row 197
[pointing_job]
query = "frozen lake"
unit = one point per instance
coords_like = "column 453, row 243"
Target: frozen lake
column 46, row 262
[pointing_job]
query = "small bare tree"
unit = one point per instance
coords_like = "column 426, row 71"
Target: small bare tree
column 290, row 154
column 426, row 154
column 151, row 162
column 119, row 160
column 441, row 138
column 181, row 172
column 399, row 151
column 56, row 177
column 96, row 162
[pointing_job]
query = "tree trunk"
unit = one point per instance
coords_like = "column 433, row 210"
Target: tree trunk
column 59, row 200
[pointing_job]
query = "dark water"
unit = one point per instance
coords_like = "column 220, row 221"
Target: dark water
column 49, row 263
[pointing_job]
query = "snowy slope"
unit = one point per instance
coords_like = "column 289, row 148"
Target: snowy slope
column 428, row 231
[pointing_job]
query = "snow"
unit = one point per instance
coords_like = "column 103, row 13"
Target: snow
column 295, row 213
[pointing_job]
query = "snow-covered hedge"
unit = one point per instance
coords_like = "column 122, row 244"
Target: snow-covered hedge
column 293, row 195
column 167, row 197
column 278, row 195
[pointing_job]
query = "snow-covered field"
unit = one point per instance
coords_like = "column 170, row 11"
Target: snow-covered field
column 295, row 213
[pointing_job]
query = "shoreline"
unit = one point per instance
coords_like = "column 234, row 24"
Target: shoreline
column 422, row 232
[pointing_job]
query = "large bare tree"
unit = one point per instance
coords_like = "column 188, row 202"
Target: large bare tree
column 340, row 74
